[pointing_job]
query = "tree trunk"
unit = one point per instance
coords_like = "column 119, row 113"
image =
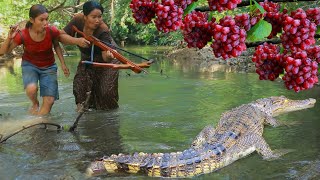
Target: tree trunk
column 77, row 9
column 112, row 14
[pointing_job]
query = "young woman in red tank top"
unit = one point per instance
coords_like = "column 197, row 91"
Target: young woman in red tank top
column 38, row 63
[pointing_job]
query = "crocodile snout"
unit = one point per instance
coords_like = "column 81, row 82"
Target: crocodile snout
column 312, row 101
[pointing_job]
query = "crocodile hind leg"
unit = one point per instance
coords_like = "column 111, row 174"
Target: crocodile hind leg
column 265, row 151
column 203, row 137
column 261, row 146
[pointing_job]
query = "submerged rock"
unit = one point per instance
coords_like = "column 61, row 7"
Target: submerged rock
column 309, row 171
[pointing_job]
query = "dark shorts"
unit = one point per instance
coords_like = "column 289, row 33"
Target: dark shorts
column 47, row 78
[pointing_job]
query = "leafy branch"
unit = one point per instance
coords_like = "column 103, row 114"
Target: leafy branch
column 247, row 3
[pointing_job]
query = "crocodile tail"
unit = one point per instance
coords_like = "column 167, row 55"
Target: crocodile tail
column 121, row 162
column 176, row 164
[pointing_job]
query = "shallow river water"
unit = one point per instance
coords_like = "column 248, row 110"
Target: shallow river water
column 159, row 112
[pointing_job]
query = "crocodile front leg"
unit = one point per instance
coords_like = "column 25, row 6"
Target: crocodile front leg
column 275, row 123
column 271, row 121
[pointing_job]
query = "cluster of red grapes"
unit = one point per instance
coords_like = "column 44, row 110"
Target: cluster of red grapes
column 243, row 21
column 246, row 21
column 314, row 53
column 273, row 16
column 301, row 65
column 221, row 5
column 229, row 39
column 299, row 61
column 270, row 6
column 184, row 3
column 143, row 10
column 313, row 14
column 301, row 71
column 169, row 16
column 196, row 29
column 298, row 31
column 268, row 61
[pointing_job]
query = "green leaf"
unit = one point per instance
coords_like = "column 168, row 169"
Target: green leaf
column 281, row 75
column 66, row 127
column 190, row 8
column 210, row 16
column 259, row 31
column 281, row 49
column 318, row 30
column 257, row 5
column 281, row 8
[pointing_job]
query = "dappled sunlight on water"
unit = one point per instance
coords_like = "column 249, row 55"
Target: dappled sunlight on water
column 159, row 112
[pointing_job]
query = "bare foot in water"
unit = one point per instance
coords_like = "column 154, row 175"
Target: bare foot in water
column 34, row 109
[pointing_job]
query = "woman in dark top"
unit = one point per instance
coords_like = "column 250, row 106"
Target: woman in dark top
column 102, row 82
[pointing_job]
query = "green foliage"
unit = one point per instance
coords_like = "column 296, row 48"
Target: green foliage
column 257, row 6
column 281, row 49
column 192, row 6
column 259, row 31
column 59, row 17
column 12, row 12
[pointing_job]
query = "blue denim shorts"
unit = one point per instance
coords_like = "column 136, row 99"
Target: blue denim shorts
column 47, row 78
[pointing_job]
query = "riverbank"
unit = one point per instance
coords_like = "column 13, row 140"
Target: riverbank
column 204, row 60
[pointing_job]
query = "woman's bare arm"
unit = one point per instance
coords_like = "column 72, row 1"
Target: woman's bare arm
column 8, row 45
column 59, row 53
column 69, row 40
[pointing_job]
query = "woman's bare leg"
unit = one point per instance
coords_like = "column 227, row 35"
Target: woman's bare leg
column 32, row 93
column 47, row 103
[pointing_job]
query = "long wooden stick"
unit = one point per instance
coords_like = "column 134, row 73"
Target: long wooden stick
column 116, row 66
column 26, row 127
column 121, row 58
column 84, row 108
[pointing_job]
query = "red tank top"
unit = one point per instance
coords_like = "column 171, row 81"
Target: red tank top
column 40, row 53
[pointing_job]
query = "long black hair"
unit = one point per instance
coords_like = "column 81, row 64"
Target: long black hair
column 90, row 6
column 35, row 11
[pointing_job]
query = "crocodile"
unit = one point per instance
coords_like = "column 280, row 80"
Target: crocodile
column 237, row 134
